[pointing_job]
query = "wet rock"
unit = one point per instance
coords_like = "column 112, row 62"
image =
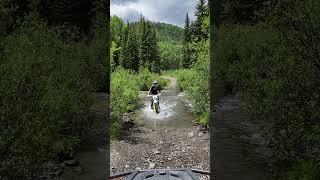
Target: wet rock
column 43, row 177
column 72, row 162
column 78, row 169
column 56, row 173
column 126, row 117
column 152, row 165
column 257, row 139
column 244, row 137
column 190, row 134
column 156, row 152
column 63, row 165
column 56, row 167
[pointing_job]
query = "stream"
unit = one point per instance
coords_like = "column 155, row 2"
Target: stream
column 92, row 153
column 170, row 139
column 239, row 150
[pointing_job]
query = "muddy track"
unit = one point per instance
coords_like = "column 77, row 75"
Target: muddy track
column 170, row 139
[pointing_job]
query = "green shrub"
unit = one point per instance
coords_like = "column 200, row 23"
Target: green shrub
column 44, row 99
column 195, row 82
column 304, row 170
column 280, row 91
column 145, row 79
column 124, row 96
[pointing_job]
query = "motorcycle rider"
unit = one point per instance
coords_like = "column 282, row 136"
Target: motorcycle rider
column 154, row 90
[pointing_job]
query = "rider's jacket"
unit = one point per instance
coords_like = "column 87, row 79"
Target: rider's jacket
column 154, row 90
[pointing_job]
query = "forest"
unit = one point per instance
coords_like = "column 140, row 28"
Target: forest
column 53, row 58
column 268, row 53
column 145, row 50
column 54, row 55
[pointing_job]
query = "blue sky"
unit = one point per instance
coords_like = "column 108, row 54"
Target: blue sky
column 167, row 11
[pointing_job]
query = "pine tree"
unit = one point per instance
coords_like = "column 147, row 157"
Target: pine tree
column 187, row 35
column 201, row 13
column 186, row 61
column 132, row 60
column 123, row 50
column 155, row 56
column 145, row 43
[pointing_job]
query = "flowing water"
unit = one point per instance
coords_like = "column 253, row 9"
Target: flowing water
column 92, row 154
column 237, row 157
column 168, row 139
column 234, row 157
column 173, row 112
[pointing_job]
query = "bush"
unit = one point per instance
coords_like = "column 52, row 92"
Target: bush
column 44, row 99
column 279, row 90
column 145, row 79
column 124, row 96
column 195, row 82
column 304, row 170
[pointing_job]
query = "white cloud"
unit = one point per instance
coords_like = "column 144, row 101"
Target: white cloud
column 168, row 11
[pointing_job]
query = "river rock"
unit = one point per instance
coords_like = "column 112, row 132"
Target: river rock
column 244, row 137
column 156, row 152
column 78, row 169
column 72, row 162
column 190, row 134
column 257, row 139
column 56, row 173
column 152, row 165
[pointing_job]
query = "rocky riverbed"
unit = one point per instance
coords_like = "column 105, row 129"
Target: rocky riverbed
column 170, row 139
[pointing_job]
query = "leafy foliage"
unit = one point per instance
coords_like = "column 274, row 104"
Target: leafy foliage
column 45, row 99
column 273, row 65
column 125, row 86
column 124, row 95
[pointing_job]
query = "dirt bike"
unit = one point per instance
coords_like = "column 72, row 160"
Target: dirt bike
column 156, row 104
column 162, row 174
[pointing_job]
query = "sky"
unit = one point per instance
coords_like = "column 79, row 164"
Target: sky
column 167, row 11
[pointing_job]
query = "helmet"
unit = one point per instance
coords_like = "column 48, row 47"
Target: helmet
column 155, row 82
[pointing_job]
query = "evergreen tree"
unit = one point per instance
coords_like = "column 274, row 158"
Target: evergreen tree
column 132, row 60
column 187, row 35
column 145, row 43
column 186, row 40
column 186, row 61
column 201, row 13
column 155, row 56
column 124, row 39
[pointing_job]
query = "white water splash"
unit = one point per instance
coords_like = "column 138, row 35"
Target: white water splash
column 166, row 110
